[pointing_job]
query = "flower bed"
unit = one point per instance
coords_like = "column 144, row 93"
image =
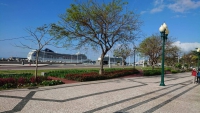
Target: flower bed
column 95, row 76
column 8, row 81
column 26, row 80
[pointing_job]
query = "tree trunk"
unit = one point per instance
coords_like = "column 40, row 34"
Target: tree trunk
column 36, row 66
column 152, row 64
column 123, row 62
column 101, row 71
column 152, row 67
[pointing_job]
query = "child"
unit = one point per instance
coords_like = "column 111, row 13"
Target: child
column 194, row 74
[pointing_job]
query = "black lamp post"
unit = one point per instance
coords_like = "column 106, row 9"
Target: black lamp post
column 164, row 33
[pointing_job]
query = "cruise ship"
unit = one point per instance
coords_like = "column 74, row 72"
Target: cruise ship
column 48, row 55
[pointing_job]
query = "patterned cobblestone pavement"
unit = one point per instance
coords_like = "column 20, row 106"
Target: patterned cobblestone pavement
column 122, row 95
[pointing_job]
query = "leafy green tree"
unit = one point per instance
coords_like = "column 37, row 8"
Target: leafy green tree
column 190, row 58
column 123, row 51
column 178, row 65
column 99, row 26
column 151, row 47
column 171, row 55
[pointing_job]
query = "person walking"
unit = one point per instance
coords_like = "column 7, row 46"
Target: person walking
column 198, row 76
column 194, row 74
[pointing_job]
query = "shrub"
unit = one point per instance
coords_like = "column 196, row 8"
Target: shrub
column 186, row 65
column 46, row 82
column 151, row 72
column 2, row 81
column 39, row 79
column 51, row 82
column 32, row 79
column 174, row 71
column 178, row 65
column 168, row 69
column 22, row 81
column 33, row 84
column 9, row 85
column 82, row 77
column 62, row 73
column 11, row 80
column 8, row 82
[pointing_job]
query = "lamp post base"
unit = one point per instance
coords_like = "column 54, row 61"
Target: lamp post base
column 162, row 84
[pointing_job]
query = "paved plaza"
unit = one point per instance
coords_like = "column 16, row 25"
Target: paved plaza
column 121, row 95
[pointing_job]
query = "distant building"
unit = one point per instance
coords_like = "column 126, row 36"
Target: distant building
column 141, row 62
column 16, row 59
column 113, row 60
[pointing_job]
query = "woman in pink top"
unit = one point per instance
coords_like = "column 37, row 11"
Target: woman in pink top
column 194, row 74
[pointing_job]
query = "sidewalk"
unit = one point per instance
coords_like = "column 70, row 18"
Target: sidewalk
column 122, row 95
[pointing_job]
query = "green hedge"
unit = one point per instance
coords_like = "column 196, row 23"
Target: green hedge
column 25, row 75
column 62, row 73
column 168, row 69
column 151, row 72
column 174, row 71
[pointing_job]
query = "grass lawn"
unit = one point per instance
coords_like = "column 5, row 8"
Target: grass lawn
column 24, row 71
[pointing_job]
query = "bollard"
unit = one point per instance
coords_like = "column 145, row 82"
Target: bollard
column 42, row 73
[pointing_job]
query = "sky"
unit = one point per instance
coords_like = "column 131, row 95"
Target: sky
column 181, row 16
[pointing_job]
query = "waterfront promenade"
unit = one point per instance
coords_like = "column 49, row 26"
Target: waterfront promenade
column 121, row 95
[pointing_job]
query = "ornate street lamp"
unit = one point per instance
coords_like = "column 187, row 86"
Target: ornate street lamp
column 164, row 33
column 198, row 52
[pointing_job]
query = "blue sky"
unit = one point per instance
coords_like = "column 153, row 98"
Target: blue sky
column 181, row 16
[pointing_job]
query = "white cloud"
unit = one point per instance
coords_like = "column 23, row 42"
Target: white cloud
column 157, row 9
column 184, row 5
column 187, row 47
column 158, row 2
column 176, row 6
column 158, row 6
